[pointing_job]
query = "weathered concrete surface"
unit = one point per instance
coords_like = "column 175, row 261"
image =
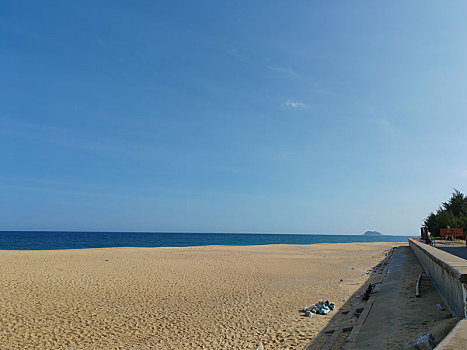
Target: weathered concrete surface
column 456, row 339
column 448, row 273
column 397, row 317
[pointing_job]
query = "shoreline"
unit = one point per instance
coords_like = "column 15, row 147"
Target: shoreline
column 200, row 246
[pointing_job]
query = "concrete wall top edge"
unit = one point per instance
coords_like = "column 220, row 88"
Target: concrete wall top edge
column 452, row 263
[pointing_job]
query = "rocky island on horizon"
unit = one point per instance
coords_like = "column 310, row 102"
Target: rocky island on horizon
column 372, row 233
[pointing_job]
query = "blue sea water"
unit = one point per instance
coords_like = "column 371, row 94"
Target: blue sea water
column 44, row 240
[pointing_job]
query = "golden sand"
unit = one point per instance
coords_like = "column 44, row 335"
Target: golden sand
column 213, row 297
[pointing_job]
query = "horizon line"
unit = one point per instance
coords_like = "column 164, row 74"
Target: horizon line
column 212, row 232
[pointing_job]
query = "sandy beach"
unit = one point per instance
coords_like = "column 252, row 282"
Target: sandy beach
column 214, row 297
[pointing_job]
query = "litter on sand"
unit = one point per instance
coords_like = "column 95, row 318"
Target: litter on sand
column 322, row 307
column 424, row 342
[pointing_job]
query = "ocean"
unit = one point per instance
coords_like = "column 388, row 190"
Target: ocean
column 45, row 240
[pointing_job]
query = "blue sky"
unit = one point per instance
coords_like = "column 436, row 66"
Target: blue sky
column 231, row 116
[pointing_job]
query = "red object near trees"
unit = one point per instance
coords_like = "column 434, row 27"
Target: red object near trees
column 451, row 232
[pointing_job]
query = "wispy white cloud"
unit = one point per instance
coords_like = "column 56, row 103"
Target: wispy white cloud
column 235, row 52
column 464, row 173
column 287, row 71
column 295, row 104
column 381, row 123
column 85, row 141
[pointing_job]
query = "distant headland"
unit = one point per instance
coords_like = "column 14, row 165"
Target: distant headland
column 372, row 233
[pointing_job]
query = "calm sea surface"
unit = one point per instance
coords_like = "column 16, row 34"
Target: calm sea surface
column 40, row 240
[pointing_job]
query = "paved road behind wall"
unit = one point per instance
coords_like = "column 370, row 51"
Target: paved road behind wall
column 461, row 252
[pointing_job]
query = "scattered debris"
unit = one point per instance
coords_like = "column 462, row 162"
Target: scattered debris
column 424, row 342
column 368, row 291
column 417, row 287
column 381, row 267
column 440, row 307
column 322, row 307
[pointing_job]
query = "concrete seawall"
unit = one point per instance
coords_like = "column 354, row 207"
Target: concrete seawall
column 448, row 274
